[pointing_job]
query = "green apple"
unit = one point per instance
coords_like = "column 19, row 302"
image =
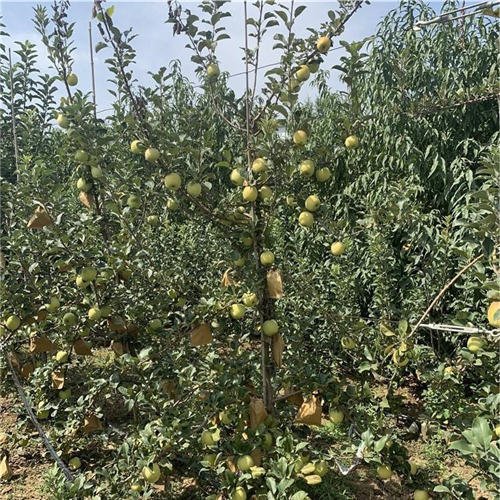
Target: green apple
column 265, row 193
column 134, row 201
column 62, row 121
column 250, row 299
column 96, row 172
column 270, row 327
column 268, row 441
column 347, row 343
column 172, row 204
column 42, row 414
column 72, row 79
column 337, row 248
column 336, row 416
column 237, row 311
column 173, row 181
column 88, row 273
column 194, row 189
column 207, row 438
column 155, row 324
column 94, row 314
column 259, row 166
column 105, row 311
column 420, row 495
column 137, row 147
column 313, row 65
column 247, row 240
column 267, row 258
column 352, row 142
column 323, row 44
column 245, row 463
column 136, row 487
column 290, row 201
column 307, row 168
column 83, row 185
column 300, row 138
column 69, row 319
column 323, row 174
column 81, row 156
column 240, row 261
column 213, row 71
column 62, row 356
column 236, row 177
column 151, row 155
column 239, row 494
column 151, row 474
column 250, row 193
column 312, row 203
column 66, row 394
column 13, row 322
column 303, row 73
column 384, row 471
column 306, row 219
column 153, row 220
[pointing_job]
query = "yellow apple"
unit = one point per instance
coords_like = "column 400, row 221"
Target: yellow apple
column 153, row 220
column 474, row 343
column 348, row 343
column 173, row 181
column 81, row 283
column 384, row 471
column 239, row 494
column 213, row 71
column 245, row 463
column 323, row 174
column 137, row 147
column 497, row 431
column 413, row 467
column 306, row 219
column 259, row 166
column 83, row 185
column 303, row 73
column 307, row 168
column 323, row 44
column 207, row 439
column 62, row 121
column 236, row 177
column 270, row 327
column 172, row 204
column 267, row 258
column 336, row 416
column 237, row 311
column 312, row 203
column 61, row 356
column 54, row 304
column 151, row 474
column 250, row 299
column 69, row 319
column 290, row 201
column 337, row 248
column 88, row 273
column 81, row 156
column 493, row 317
column 352, row 142
column 151, row 155
column 250, row 193
column 265, row 193
column 136, row 487
column 94, row 314
column 300, row 138
column 420, row 495
column 72, row 79
column 96, row 172
column 13, row 322
column 194, row 189
column 321, row 468
column 134, row 201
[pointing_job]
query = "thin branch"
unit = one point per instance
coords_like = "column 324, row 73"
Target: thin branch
column 14, row 132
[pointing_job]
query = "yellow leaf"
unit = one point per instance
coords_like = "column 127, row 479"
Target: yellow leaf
column 40, row 219
column 87, row 199
column 226, row 279
column 57, row 380
column 91, row 423
column 27, row 369
column 81, row 348
column 274, row 284
column 5, row 470
column 201, row 335
column 257, row 456
column 310, row 412
column 258, row 412
column 40, row 344
column 277, row 348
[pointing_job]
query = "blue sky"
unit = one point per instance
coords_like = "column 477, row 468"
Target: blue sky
column 156, row 46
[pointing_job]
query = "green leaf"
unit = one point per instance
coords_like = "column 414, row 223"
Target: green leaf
column 463, row 447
